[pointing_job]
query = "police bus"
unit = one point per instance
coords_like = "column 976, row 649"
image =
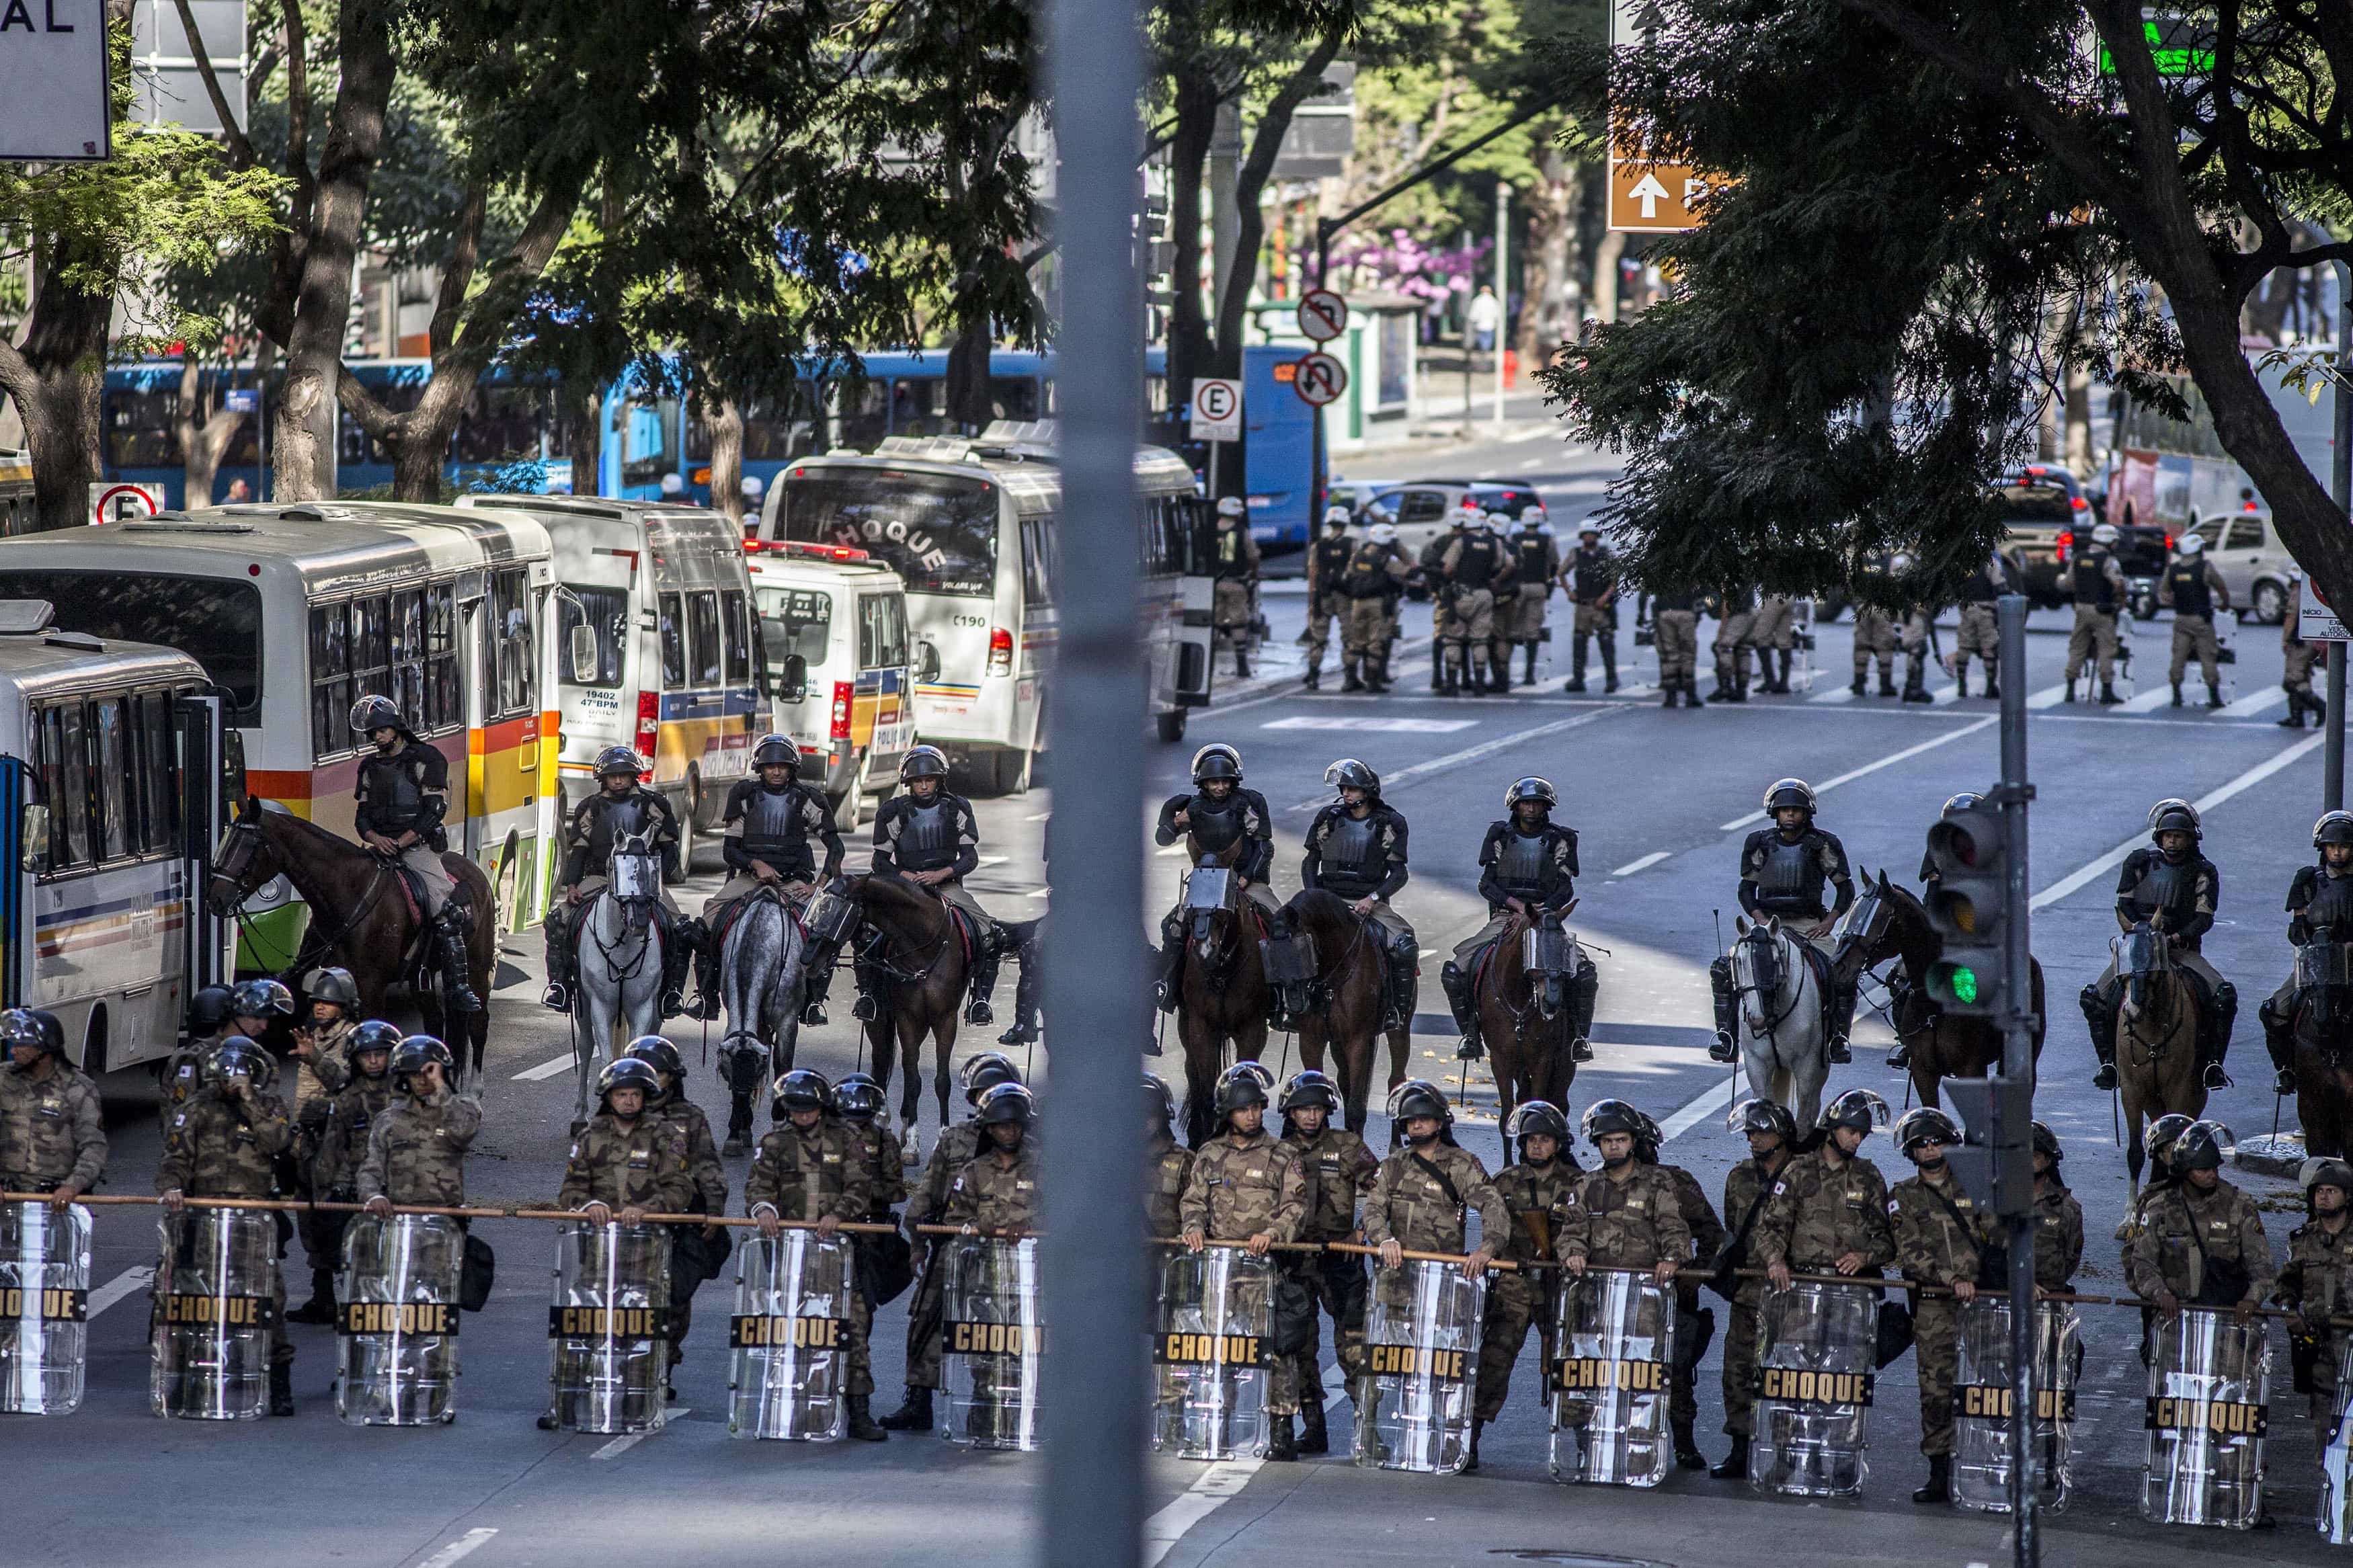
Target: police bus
column 295, row 611
column 113, row 783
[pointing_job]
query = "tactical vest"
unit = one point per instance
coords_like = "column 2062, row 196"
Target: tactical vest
column 1477, row 566
column 1368, row 574
column 1983, row 587
column 1790, row 880
column 1217, row 824
column 1591, row 574
column 1352, row 862
column 775, row 831
column 1524, row 865
column 927, row 839
column 2191, row 596
column 1332, row 560
column 2168, row 889
column 1668, row 600
column 2091, row 581
column 391, row 787
column 1534, row 551
column 1232, row 562
column 2331, row 905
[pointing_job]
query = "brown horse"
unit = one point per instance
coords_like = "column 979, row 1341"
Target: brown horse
column 1222, row 993
column 1889, row 923
column 360, row 917
column 918, row 971
column 2157, row 1041
column 1345, row 1013
column 1527, row 1019
column 2322, row 1058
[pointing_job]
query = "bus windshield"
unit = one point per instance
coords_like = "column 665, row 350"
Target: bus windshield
column 605, row 613
column 937, row 530
column 214, row 621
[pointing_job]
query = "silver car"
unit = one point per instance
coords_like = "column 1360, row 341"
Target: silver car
column 2254, row 564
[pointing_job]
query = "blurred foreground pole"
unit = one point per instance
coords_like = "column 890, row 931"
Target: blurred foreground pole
column 2340, row 488
column 1093, row 1513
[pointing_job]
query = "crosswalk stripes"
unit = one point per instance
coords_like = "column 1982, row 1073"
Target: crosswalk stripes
column 2048, row 697
column 2255, row 702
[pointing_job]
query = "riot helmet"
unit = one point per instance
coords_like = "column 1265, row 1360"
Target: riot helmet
column 2326, row 1173
column 2333, row 827
column 1350, row 773
column 1158, row 1101
column 659, row 1053
column 984, row 1072
column 627, row 1072
column 1533, row 1118
column 1217, row 761
column 333, row 985
column 1238, row 1089
column 238, row 1056
column 2105, row 533
column 208, row 1009
column 410, row 1057
column 261, row 999
column 2046, row 1142
column 1607, row 1116
column 1419, row 1097
column 373, row 1034
column 1761, row 1115
column 34, row 1026
column 1007, row 1102
column 2174, row 817
column 1925, row 1124
column 371, row 713
column 1531, row 788
column 1790, row 792
column 1335, row 517
column 1963, row 801
column 802, row 1089
column 2203, row 1146
column 1310, row 1088
column 1860, row 1109
column 858, row 1097
column 617, row 760
column 777, row 751
column 2163, row 1134
column 924, row 763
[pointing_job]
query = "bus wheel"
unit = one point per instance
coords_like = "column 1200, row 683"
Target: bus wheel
column 1171, row 725
column 1013, row 771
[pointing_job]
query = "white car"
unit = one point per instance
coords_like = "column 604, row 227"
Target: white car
column 2254, row 564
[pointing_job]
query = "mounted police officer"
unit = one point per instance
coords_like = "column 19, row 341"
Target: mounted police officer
column 2175, row 889
column 1370, row 583
column 2193, row 591
column 1527, row 868
column 622, row 806
column 1477, row 568
column 1357, row 849
column 1535, row 561
column 931, row 839
column 1783, row 871
column 1327, row 596
column 1218, row 816
column 399, row 798
column 2319, row 909
column 1591, row 575
column 763, row 834
column 2097, row 585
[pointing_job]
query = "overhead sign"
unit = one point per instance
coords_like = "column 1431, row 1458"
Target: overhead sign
column 115, row 501
column 2314, row 621
column 1319, row 379
column 1647, row 197
column 1216, row 409
column 1322, row 315
column 53, row 89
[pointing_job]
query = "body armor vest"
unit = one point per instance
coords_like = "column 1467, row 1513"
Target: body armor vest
column 2331, row 905
column 2091, row 581
column 1217, row 824
column 2191, row 596
column 1533, row 549
column 2168, row 887
column 1983, row 587
column 1332, row 559
column 1790, row 880
column 396, row 800
column 1523, row 864
column 775, row 830
column 1592, row 575
column 927, row 842
column 1368, row 571
column 1475, row 568
column 1352, row 863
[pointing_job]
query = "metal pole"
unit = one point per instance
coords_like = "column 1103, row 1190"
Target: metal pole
column 2340, row 489
column 2018, row 1065
column 1091, row 1515
column 1502, row 290
column 1318, row 461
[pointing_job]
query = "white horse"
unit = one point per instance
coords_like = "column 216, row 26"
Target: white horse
column 763, row 975
column 1782, row 1043
column 619, row 963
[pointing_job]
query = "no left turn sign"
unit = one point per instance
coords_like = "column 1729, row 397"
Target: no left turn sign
column 1319, row 379
column 1322, row 315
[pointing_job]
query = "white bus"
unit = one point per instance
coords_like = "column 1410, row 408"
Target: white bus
column 113, row 784
column 969, row 523
column 654, row 646
column 295, row 611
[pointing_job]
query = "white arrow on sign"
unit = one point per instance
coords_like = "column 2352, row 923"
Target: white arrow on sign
column 1319, row 379
column 1650, row 193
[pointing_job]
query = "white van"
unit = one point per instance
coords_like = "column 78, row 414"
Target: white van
column 654, row 646
column 833, row 627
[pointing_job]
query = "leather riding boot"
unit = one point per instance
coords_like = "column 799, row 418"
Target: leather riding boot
column 450, row 937
column 2100, row 1020
column 1899, row 1056
column 1584, row 991
column 2279, row 1044
column 2214, row 1035
column 321, row 1307
column 1841, row 1021
column 557, row 932
column 1577, row 663
column 1282, row 1445
column 976, row 1009
column 1024, row 1031
column 281, row 1389
column 1405, row 958
column 1727, row 1012
column 1939, row 1486
column 863, row 1425
column 706, row 980
column 1732, row 1466
column 680, row 945
column 1457, row 986
column 1313, row 1438
column 1687, row 1454
column 814, row 984
column 915, row 1415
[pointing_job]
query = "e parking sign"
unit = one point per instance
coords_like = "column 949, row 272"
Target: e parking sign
column 53, row 87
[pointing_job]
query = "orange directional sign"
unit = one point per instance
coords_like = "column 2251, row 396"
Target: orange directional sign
column 1656, row 198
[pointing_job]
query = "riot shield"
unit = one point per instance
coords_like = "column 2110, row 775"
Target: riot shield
column 1981, row 1404
column 993, row 1336
column 215, row 1314
column 1814, row 1387
column 1212, row 1341
column 1616, row 1333
column 2208, row 1394
column 790, row 1371
column 1421, row 1365
column 609, row 1328
column 2337, row 1464
column 397, row 1321
column 44, row 1308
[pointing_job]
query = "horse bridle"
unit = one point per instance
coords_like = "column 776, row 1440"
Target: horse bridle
column 248, row 837
column 1772, row 1025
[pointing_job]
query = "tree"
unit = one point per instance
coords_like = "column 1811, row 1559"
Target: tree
column 1858, row 341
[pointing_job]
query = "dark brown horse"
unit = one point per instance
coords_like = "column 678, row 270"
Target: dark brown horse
column 918, row 970
column 2322, row 1058
column 1222, row 995
column 1890, row 922
column 1345, row 1013
column 360, row 916
column 1527, row 1019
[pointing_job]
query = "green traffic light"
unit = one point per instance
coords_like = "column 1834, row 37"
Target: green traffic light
column 1963, row 983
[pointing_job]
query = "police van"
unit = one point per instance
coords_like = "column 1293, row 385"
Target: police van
column 833, row 630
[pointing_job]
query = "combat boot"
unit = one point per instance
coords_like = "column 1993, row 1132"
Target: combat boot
column 1470, row 1460
column 1576, row 664
column 1530, row 678
column 1916, row 690
column 915, row 1415
column 863, row 1425
column 1349, row 679
column 1687, row 1454
column 1856, row 685
column 2177, row 695
column 1691, row 698
column 1241, row 665
column 1377, row 674
column 1667, row 690
column 2108, row 697
column 1609, row 664
column 1281, row 1448
column 1313, row 679
column 1313, row 1436
column 281, row 1389
column 1900, row 1057
column 1993, row 685
column 1732, row 1466
column 2213, row 695
column 1939, row 1488
column 2071, row 691
column 321, row 1307
column 2295, row 720
column 1886, row 681
column 1961, row 681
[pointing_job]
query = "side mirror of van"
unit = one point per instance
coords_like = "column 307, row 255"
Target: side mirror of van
column 34, row 836
column 927, row 662
column 792, row 684
column 583, row 653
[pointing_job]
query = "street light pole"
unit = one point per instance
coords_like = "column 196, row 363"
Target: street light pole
column 1502, row 290
column 2340, row 489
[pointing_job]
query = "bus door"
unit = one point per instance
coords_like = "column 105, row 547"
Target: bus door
column 212, row 784
column 15, row 877
column 477, row 661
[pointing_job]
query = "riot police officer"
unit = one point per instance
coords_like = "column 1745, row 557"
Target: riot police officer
column 1941, row 1239
column 2058, row 1218
column 1357, row 849
column 931, row 839
column 51, row 1137
column 1535, row 561
column 2316, row 1284
column 809, row 1172
column 341, row 1138
column 1445, row 625
column 1829, row 1213
column 1477, row 568
column 764, row 831
column 1339, row 1169
column 2193, row 591
column 1694, row 1324
column 1735, row 640
column 1249, row 1186
column 210, row 1021
column 1171, row 1162
column 2097, row 586
column 1783, row 870
column 416, row 1145
column 1591, row 575
column 2319, row 909
column 1774, row 632
column 1528, row 866
column 2175, row 889
column 1532, row 1186
column 622, row 806
column 1234, row 564
column 1979, row 633
column 1371, row 583
column 1223, row 824
column 318, row 1050
column 1772, row 1136
column 1675, row 629
column 399, row 798
column 1327, row 595
column 2296, row 658
column 2202, row 1242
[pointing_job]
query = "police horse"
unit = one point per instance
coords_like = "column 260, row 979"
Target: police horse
column 1533, row 989
column 917, row 963
column 1221, row 985
column 362, row 918
column 1889, row 923
column 763, row 984
column 618, row 960
column 2158, row 1071
column 1782, row 1041
column 1340, row 1008
column 2321, row 1041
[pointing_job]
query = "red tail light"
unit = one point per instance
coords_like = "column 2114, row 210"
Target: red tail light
column 2079, row 504
column 1001, row 651
column 2168, row 544
column 2066, row 541
column 649, row 722
column 840, row 719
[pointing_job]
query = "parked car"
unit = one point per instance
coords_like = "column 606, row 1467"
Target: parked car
column 2044, row 509
column 2246, row 552
column 1424, row 509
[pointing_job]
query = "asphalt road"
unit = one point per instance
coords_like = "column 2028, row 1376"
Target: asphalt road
column 1661, row 800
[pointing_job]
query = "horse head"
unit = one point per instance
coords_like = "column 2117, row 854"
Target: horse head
column 245, row 859
column 1866, row 932
column 2324, row 982
column 634, row 877
column 1550, row 951
column 2142, row 954
column 1212, row 895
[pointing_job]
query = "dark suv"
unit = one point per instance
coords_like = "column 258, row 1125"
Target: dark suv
column 2045, row 515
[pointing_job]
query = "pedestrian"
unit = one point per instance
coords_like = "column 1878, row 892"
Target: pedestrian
column 1772, row 1139
column 809, row 1171
column 2097, row 586
column 1327, row 597
column 2193, row 591
column 1943, row 1241
column 1485, row 317
column 240, row 493
column 2297, row 659
column 52, row 1139
column 1339, row 1169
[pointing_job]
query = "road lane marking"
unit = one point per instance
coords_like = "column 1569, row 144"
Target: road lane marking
column 465, row 1546
column 1376, row 726
column 1944, row 694
column 2157, row 698
column 2048, row 697
column 547, row 1069
column 1835, row 694
column 2082, row 875
column 1653, row 859
column 620, row 1446
column 1473, row 753
column 1531, row 464
column 1218, row 1485
column 1754, row 817
column 123, row 1284
column 2248, row 707
column 1693, row 1112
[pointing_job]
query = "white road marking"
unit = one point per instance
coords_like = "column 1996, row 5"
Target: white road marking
column 2048, row 697
column 1376, row 726
column 1531, row 465
column 2248, row 707
column 2159, row 697
column 2082, row 875
column 1653, row 859
column 1835, row 694
column 465, row 1546
column 1218, row 1485
column 1037, row 817
column 1754, row 817
column 1944, row 694
column 620, row 1446
column 126, row 1283
column 547, row 1069
column 1473, row 753
column 1693, row 1112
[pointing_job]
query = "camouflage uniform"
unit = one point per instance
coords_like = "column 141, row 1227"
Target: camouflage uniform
column 954, row 1147
column 2318, row 1284
column 417, row 1150
column 997, row 1190
column 325, row 1072
column 641, row 1163
column 2058, row 1235
column 1237, row 1188
column 342, row 1136
column 1629, row 1222
column 1514, row 1300
column 183, row 1076
column 1746, row 1190
column 1338, row 1168
column 1691, row 1334
column 804, row 1177
column 2185, row 1232
column 701, row 1151
column 1818, row 1214
column 886, row 1168
column 219, row 1147
column 1409, row 1207
column 50, row 1133
column 1934, row 1247
column 1164, row 1187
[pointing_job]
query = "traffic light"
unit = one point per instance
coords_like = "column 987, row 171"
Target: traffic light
column 1970, row 850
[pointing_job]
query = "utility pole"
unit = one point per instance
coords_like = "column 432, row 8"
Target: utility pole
column 2340, row 489
column 1502, row 290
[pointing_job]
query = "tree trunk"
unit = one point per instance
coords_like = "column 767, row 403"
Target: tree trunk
column 1189, row 345
column 1548, row 292
column 57, row 378
column 969, row 401
column 2078, row 453
column 727, row 459
column 1605, row 276
column 581, row 417
column 205, row 433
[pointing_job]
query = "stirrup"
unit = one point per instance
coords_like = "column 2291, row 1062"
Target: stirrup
column 2215, row 1077
column 2105, row 1078
column 1722, row 1049
column 1581, row 1050
column 978, row 1011
column 865, row 1009
column 2283, row 1081
column 1470, row 1049
column 813, row 1015
column 557, row 995
column 1839, row 1055
column 1900, row 1057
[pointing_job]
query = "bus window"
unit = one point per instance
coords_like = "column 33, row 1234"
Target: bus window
column 735, row 634
column 443, row 702
column 64, row 774
column 881, row 631
column 864, row 419
column 794, row 621
column 112, row 780
column 518, row 643
column 1037, row 559
column 500, row 423
column 604, row 611
column 159, row 803
column 371, row 655
column 703, row 637
column 915, row 408
column 936, row 531
column 673, row 641
column 142, row 429
column 330, row 679
column 216, row 623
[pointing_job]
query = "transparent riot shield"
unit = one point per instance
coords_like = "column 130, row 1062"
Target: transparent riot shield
column 217, row 1305
column 609, row 1328
column 1616, row 1333
column 789, row 1376
column 2336, row 1521
column 44, row 1308
column 1211, row 1346
column 397, row 1321
column 1814, row 1386
column 993, row 1337
column 1981, row 1404
column 1421, row 1366
column 2209, row 1394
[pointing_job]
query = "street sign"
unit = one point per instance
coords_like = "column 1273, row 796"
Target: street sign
column 1319, row 379
column 114, row 503
column 1656, row 198
column 2314, row 621
column 53, row 81
column 1322, row 315
column 1216, row 409
column 242, row 400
